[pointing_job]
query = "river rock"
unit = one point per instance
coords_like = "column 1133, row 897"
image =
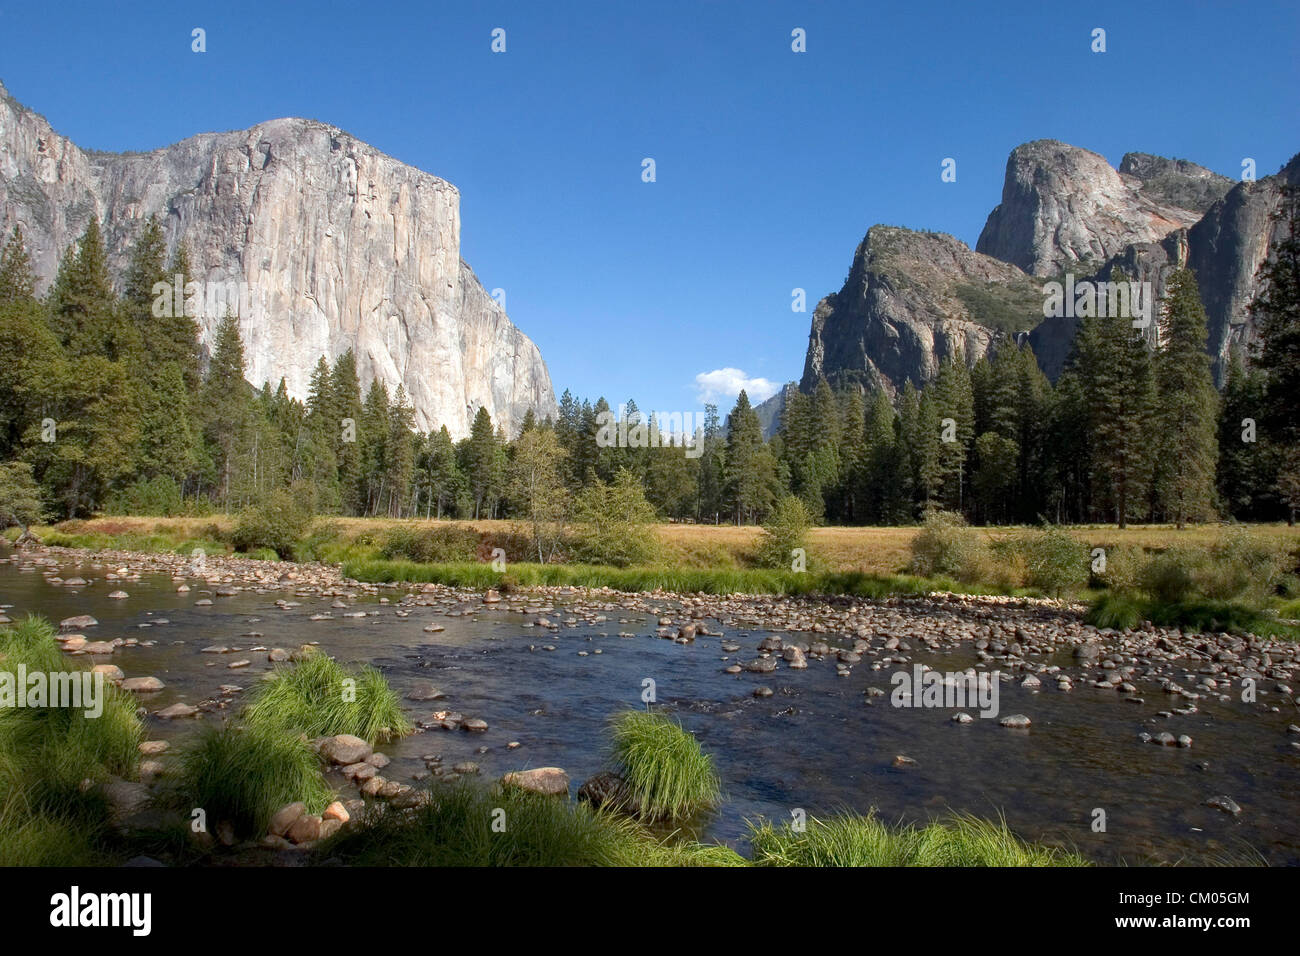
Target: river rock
column 305, row 829
column 1017, row 721
column 1224, row 803
column 177, row 710
column 424, row 691
column 606, row 789
column 551, row 781
column 111, row 672
column 344, row 749
column 143, row 685
column 336, row 811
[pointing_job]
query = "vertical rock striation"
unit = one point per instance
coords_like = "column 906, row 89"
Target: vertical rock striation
column 340, row 246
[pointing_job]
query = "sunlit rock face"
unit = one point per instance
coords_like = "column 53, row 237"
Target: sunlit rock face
column 338, row 246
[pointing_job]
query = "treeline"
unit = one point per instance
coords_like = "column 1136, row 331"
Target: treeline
column 106, row 406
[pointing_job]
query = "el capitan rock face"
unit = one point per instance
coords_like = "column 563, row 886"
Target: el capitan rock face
column 340, row 246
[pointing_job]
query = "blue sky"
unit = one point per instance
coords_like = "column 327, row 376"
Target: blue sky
column 770, row 165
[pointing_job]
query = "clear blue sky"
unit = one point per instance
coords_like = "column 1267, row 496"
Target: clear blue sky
column 771, row 165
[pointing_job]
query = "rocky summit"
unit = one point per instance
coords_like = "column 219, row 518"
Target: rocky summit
column 338, row 247
column 913, row 298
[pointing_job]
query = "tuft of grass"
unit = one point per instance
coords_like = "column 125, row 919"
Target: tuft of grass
column 850, row 839
column 47, row 816
column 244, row 775
column 680, row 580
column 1122, row 611
column 1117, row 611
column 314, row 697
column 456, row 828
column 667, row 775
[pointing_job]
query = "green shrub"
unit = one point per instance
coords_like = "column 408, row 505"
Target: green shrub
column 243, row 775
column 1242, row 565
column 1055, row 561
column 312, row 697
column 320, row 539
column 1169, row 576
column 667, row 774
column 785, row 530
column 277, row 524
column 440, row 544
column 614, row 524
column 853, row 840
column 1123, row 570
column 159, row 496
column 947, row 546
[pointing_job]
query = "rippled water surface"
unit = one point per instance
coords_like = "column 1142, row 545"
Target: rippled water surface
column 815, row 744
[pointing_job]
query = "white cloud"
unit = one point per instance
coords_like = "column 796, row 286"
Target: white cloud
column 726, row 383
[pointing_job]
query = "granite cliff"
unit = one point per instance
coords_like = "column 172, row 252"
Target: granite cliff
column 340, row 246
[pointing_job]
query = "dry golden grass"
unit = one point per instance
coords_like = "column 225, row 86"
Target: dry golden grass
column 873, row 550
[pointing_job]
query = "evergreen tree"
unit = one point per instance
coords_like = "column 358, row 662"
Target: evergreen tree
column 224, row 409
column 1115, row 372
column 17, row 281
column 84, row 311
column 483, row 465
column 1187, row 406
column 1244, row 465
column 1276, row 311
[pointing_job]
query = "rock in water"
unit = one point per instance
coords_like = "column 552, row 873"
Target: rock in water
column 548, row 780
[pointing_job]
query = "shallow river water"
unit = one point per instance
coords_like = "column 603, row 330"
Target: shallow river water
column 814, row 745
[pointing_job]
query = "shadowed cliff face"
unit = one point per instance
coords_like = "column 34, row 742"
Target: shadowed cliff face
column 1224, row 248
column 911, row 300
column 340, row 246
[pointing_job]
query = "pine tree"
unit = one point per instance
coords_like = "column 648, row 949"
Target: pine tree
column 400, row 466
column 446, row 481
column 1187, row 406
column 482, row 464
column 1115, row 372
column 1244, row 472
column 954, row 405
column 17, row 282
column 744, row 439
column 84, row 311
column 1276, row 311
column 224, row 409
column 345, row 423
